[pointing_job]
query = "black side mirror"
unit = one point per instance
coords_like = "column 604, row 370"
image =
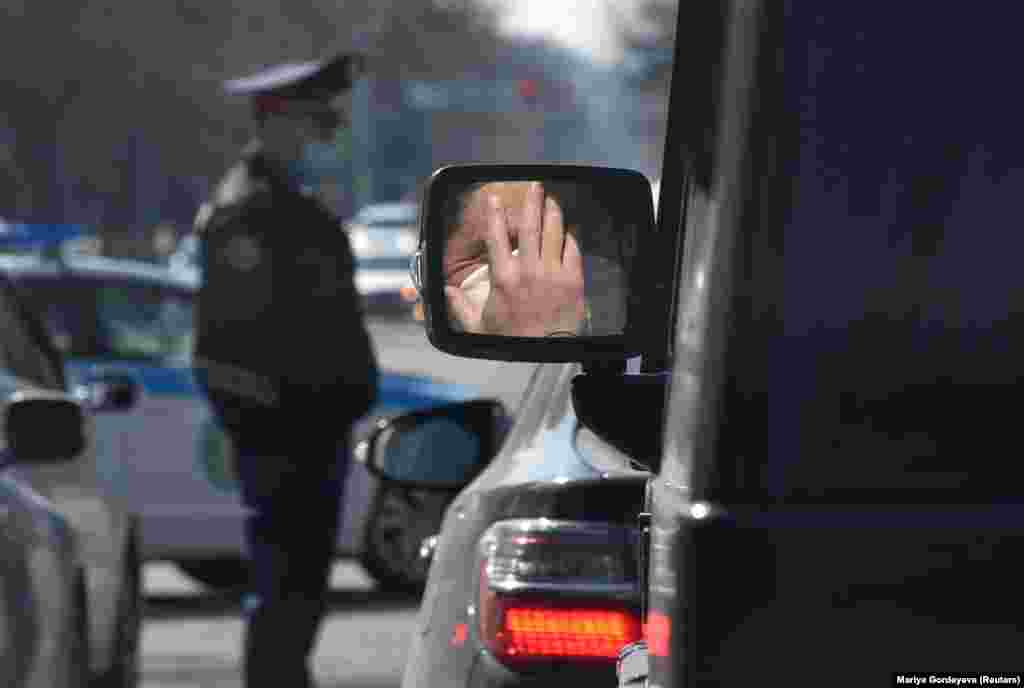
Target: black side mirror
column 442, row 448
column 42, row 428
column 594, row 311
column 111, row 392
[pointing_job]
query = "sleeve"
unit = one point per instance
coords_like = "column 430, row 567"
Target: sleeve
column 337, row 356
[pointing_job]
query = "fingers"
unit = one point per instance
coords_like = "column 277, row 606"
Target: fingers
column 572, row 259
column 553, row 236
column 499, row 252
column 463, row 309
column 530, row 223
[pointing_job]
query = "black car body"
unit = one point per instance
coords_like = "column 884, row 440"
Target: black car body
column 837, row 501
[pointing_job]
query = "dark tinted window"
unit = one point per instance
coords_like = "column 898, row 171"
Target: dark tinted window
column 873, row 345
column 116, row 319
column 144, row 322
column 25, row 350
column 897, row 363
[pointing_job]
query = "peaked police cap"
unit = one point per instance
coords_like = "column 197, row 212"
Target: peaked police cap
column 318, row 80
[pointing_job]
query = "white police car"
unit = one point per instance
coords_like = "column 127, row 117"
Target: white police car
column 168, row 456
column 383, row 237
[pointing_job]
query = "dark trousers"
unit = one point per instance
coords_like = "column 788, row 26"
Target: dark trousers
column 293, row 499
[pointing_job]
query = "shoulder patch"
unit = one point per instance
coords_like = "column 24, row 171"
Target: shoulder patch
column 238, row 185
column 203, row 216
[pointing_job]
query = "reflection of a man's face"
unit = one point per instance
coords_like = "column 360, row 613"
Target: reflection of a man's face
column 605, row 272
column 466, row 250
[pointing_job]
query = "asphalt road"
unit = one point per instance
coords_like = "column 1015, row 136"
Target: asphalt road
column 192, row 638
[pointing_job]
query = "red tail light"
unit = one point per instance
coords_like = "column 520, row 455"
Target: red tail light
column 558, row 590
column 657, row 633
column 548, row 633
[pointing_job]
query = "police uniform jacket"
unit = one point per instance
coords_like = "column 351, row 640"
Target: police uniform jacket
column 279, row 328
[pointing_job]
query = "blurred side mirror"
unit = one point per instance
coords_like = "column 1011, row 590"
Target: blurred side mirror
column 442, row 448
column 110, row 392
column 566, row 276
column 43, row 428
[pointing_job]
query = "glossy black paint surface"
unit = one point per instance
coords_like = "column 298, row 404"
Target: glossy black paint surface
column 846, row 364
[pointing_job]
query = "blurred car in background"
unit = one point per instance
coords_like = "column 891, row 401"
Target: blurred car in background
column 51, row 448
column 133, row 320
column 383, row 237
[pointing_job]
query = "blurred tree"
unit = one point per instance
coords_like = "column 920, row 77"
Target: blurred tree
column 105, row 96
column 647, row 34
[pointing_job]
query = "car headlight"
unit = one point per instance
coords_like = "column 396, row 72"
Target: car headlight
column 360, row 241
column 407, row 243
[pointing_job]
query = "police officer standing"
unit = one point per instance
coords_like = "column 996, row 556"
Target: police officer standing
column 284, row 356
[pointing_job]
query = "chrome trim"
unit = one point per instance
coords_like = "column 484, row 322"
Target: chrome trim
column 428, row 546
column 616, row 591
column 362, row 452
column 612, row 533
column 416, row 270
column 562, row 527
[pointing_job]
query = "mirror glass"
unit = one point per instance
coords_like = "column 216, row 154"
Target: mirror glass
column 44, row 429
column 539, row 257
column 436, row 451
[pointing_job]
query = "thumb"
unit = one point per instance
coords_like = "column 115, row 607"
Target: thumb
column 465, row 311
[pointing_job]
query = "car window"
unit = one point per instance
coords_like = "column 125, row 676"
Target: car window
column 115, row 319
column 901, row 322
column 872, row 349
column 144, row 322
column 25, row 351
column 66, row 312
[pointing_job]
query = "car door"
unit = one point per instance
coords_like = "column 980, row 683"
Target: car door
column 174, row 458
column 833, row 495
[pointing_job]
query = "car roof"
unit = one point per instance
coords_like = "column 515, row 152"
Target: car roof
column 388, row 212
column 97, row 266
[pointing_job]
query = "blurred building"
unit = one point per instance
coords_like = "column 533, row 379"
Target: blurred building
column 538, row 104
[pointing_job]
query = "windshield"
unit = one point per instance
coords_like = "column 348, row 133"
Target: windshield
column 119, row 320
